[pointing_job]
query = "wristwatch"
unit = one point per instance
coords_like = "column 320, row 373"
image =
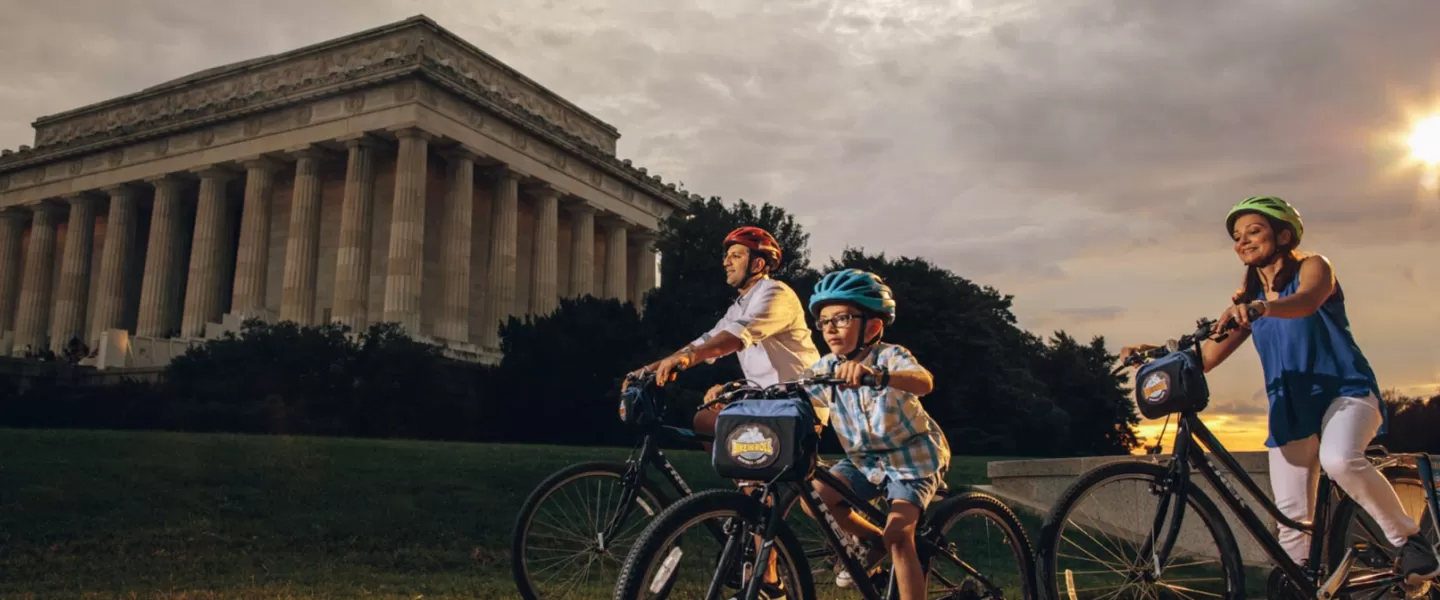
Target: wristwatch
column 688, row 352
column 882, row 378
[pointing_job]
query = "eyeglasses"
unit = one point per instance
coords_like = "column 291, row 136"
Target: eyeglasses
column 840, row 321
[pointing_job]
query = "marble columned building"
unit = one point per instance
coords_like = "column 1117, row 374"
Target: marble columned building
column 397, row 174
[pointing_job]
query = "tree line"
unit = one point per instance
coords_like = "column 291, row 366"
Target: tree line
column 1000, row 390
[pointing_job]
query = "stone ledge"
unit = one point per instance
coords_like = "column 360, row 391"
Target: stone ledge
column 1254, row 462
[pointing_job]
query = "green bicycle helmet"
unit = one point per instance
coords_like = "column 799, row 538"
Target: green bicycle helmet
column 862, row 288
column 1270, row 206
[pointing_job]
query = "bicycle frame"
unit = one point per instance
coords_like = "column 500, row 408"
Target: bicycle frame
column 1194, row 439
column 648, row 453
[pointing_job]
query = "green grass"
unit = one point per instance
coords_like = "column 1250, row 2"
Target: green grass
column 97, row 514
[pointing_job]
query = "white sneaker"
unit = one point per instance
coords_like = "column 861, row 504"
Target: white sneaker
column 843, row 580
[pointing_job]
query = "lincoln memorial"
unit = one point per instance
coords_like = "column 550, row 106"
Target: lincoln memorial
column 399, row 175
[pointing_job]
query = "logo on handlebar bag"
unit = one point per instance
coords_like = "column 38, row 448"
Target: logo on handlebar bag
column 1157, row 387
column 753, row 445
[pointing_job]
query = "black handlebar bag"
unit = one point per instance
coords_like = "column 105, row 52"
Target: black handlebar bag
column 757, row 440
column 1171, row 384
column 639, row 406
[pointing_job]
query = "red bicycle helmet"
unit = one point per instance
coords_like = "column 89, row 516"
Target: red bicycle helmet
column 758, row 241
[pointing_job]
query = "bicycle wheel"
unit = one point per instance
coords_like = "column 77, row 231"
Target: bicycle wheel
column 985, row 534
column 1350, row 524
column 1101, row 549
column 556, row 548
column 679, row 556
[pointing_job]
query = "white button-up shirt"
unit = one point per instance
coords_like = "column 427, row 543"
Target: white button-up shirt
column 770, row 321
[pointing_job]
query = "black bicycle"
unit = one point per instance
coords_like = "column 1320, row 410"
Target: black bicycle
column 1135, row 540
column 676, row 556
column 577, row 526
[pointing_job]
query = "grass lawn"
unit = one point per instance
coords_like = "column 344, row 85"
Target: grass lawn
column 98, row 514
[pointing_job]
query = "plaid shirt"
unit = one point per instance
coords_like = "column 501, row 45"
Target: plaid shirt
column 887, row 431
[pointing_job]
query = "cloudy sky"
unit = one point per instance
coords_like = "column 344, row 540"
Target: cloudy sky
column 1077, row 154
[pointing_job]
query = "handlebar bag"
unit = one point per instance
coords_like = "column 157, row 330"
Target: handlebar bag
column 1171, row 384
column 638, row 405
column 756, row 440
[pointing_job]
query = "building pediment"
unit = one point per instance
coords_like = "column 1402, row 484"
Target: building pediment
column 229, row 91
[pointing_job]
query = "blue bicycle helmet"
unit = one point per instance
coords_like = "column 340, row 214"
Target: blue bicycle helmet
column 862, row 288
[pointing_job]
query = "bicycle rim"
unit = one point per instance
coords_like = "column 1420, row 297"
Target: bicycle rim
column 558, row 546
column 1096, row 543
column 678, row 556
column 986, row 555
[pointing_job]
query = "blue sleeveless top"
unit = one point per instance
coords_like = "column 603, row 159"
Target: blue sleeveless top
column 1308, row 363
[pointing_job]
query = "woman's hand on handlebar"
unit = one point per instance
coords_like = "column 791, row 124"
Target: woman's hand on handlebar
column 1241, row 314
column 852, row 372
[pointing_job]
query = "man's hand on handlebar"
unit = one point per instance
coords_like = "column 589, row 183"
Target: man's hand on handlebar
column 667, row 369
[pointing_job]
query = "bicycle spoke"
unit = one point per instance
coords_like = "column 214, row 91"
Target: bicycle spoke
column 1101, row 553
column 562, row 553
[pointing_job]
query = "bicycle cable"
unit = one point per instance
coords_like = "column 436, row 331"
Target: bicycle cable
column 1161, row 438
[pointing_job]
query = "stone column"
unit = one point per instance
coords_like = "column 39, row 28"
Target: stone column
column 453, row 322
column 644, row 267
column 252, row 259
column 352, row 258
column 12, row 232
column 114, row 259
column 208, row 253
column 544, row 295
column 405, row 269
column 158, row 299
column 72, row 292
column 616, row 256
column 500, row 288
column 582, row 250
column 302, row 249
column 34, row 316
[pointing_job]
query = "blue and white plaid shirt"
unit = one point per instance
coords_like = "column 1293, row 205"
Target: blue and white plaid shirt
column 886, row 431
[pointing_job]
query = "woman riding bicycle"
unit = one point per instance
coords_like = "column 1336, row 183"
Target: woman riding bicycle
column 1324, row 400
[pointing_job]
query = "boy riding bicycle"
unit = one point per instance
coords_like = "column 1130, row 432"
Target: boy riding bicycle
column 892, row 446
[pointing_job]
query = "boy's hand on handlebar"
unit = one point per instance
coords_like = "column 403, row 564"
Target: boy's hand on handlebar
column 852, row 372
column 713, row 393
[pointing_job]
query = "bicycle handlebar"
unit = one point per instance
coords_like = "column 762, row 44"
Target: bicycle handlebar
column 1204, row 330
column 784, row 388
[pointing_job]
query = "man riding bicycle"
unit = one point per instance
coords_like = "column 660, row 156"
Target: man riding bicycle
column 765, row 326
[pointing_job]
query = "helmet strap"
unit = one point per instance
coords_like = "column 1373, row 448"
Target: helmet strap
column 864, row 345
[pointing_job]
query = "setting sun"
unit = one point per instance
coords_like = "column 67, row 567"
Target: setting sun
column 1425, row 140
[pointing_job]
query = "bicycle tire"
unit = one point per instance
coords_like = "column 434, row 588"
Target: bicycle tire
column 1346, row 511
column 1209, row 515
column 965, row 503
column 519, row 537
column 644, row 555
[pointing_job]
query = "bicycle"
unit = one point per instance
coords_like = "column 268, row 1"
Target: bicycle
column 641, row 408
column 654, row 567
column 1177, row 386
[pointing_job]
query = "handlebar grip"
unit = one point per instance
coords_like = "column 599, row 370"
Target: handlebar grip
column 869, row 380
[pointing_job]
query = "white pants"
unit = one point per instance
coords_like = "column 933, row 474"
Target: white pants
column 1347, row 428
